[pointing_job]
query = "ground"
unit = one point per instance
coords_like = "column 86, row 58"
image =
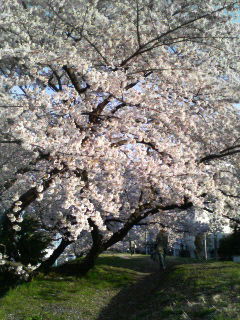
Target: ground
column 124, row 287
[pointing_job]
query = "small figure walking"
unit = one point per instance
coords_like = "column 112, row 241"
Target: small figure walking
column 132, row 247
column 161, row 248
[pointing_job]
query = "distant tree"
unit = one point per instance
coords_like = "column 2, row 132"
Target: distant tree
column 230, row 245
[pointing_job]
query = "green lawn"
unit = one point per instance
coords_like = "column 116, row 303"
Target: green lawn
column 122, row 287
column 57, row 297
column 196, row 291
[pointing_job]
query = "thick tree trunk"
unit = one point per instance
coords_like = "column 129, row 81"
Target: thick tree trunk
column 46, row 265
column 99, row 245
column 90, row 260
column 80, row 269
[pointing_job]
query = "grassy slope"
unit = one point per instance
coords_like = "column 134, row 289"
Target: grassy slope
column 121, row 288
column 57, row 297
column 196, row 291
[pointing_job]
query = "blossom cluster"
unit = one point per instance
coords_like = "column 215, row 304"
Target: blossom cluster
column 117, row 107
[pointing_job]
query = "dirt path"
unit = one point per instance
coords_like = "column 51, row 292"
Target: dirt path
column 126, row 303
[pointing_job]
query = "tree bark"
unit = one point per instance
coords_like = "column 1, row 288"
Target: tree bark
column 90, row 260
column 99, row 245
column 46, row 264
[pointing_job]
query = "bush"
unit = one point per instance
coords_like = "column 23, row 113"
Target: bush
column 30, row 242
column 12, row 273
column 230, row 245
column 184, row 253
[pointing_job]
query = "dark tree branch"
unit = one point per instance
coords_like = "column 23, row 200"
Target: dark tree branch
column 229, row 195
column 141, row 213
column 137, row 22
column 8, row 138
column 52, row 85
column 46, row 264
column 230, row 148
column 72, row 76
column 31, row 195
column 232, row 219
column 97, row 50
column 119, row 106
column 153, row 147
column 188, row 23
column 208, row 210
column 148, row 144
column 145, row 47
column 95, row 114
column 8, row 184
column 219, row 155
column 148, row 223
column 184, row 206
column 95, row 233
column 18, row 141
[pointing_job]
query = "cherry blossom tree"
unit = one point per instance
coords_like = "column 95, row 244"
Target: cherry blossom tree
column 113, row 112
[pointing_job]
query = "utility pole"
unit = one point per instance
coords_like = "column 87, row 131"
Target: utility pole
column 205, row 246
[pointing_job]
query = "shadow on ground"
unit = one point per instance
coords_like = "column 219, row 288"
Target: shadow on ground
column 5, row 287
column 137, row 263
column 126, row 303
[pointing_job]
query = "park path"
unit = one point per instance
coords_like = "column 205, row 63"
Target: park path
column 126, row 303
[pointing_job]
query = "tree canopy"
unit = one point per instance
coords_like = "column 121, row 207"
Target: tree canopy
column 113, row 112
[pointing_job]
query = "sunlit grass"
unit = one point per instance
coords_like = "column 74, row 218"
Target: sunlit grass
column 188, row 291
column 197, row 291
column 57, row 297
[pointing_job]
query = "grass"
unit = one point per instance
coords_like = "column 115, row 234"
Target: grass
column 121, row 287
column 56, row 297
column 197, row 291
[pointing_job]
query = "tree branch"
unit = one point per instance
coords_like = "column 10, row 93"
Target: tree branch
column 140, row 214
column 18, row 141
column 8, row 184
column 229, row 195
column 137, row 22
column 232, row 219
column 143, row 48
column 219, row 155
column 31, row 195
column 72, row 76
column 94, row 115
